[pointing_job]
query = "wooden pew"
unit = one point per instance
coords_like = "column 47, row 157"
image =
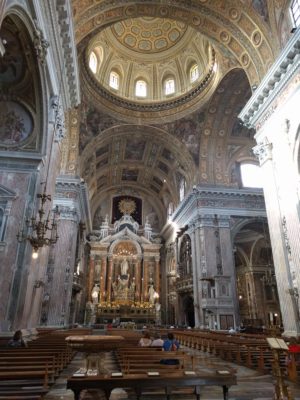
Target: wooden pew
column 141, row 382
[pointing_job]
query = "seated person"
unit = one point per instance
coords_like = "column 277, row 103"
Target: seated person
column 145, row 341
column 170, row 344
column 17, row 340
column 157, row 342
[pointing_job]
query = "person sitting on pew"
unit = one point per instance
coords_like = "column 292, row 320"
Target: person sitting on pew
column 17, row 340
column 170, row 344
column 157, row 342
column 145, row 341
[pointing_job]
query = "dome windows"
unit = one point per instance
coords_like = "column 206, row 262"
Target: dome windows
column 141, row 88
column 194, row 73
column 169, row 86
column 93, row 62
column 114, row 80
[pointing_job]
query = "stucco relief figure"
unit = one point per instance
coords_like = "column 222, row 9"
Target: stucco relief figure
column 124, row 267
column 151, row 294
column 95, row 294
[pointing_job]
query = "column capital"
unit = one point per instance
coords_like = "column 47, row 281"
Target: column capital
column 263, row 151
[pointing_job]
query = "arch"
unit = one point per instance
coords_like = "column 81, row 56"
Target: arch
column 34, row 75
column 114, row 79
column 93, row 62
column 254, row 59
column 169, row 85
column 141, row 87
column 194, row 73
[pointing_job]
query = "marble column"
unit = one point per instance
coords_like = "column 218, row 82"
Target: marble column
column 91, row 275
column 103, row 279
column 228, row 264
column 157, row 276
column 109, row 278
column 146, row 280
column 138, row 280
column 196, row 269
column 288, row 305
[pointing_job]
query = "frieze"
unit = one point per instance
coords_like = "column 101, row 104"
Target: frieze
column 234, row 200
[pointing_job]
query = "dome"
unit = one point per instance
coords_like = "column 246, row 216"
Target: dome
column 153, row 62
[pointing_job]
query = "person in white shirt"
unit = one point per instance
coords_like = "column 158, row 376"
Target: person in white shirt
column 145, row 341
column 157, row 341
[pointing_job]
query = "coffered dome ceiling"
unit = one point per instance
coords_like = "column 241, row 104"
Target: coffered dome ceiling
column 152, row 50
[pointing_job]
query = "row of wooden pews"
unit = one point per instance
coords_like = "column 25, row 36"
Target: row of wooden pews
column 249, row 350
column 149, row 359
column 142, row 373
column 28, row 373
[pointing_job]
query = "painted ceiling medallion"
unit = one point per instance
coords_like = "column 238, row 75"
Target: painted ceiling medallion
column 127, row 206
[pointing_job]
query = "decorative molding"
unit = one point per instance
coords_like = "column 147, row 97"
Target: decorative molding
column 209, row 201
column 40, row 44
column 59, row 119
column 263, row 102
column 152, row 106
column 72, row 199
column 263, row 151
column 285, row 235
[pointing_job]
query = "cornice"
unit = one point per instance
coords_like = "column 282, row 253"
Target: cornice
column 153, row 106
column 80, row 202
column 223, row 201
column 259, row 107
column 60, row 32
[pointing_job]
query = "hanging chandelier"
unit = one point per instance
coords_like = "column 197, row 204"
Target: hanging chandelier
column 39, row 227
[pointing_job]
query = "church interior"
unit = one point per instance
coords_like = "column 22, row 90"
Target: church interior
column 149, row 165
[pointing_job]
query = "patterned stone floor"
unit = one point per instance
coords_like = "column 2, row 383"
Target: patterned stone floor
column 251, row 385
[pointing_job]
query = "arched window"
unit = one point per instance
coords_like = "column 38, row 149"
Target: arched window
column 93, row 62
column 114, row 80
column 251, row 175
column 169, row 86
column 194, row 73
column 141, row 88
column 295, row 11
column 182, row 189
column 170, row 209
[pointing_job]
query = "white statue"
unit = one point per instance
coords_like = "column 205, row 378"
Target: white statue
column 95, row 294
column 124, row 267
column 151, row 294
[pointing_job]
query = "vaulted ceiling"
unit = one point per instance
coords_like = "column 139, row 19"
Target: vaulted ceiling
column 145, row 147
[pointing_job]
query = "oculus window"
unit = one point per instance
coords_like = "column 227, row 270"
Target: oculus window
column 194, row 73
column 141, row 88
column 93, row 62
column 251, row 175
column 169, row 86
column 114, row 80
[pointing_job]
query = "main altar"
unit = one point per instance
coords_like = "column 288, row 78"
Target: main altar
column 124, row 275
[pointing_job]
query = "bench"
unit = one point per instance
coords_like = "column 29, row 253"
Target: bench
column 139, row 383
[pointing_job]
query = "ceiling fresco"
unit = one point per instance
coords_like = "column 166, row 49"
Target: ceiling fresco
column 144, row 148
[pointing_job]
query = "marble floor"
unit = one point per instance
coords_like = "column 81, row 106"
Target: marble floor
column 251, row 384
